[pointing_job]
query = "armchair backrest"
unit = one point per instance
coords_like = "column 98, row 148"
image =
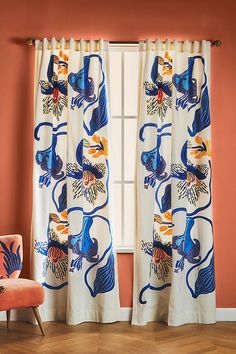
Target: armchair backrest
column 11, row 256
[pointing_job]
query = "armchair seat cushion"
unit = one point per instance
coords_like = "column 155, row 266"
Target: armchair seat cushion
column 19, row 293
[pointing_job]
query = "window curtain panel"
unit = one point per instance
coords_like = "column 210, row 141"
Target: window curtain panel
column 73, row 254
column 174, row 263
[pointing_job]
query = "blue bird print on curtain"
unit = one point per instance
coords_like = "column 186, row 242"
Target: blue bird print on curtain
column 186, row 84
column 187, row 247
column 49, row 162
column 82, row 83
column 83, row 245
column 154, row 163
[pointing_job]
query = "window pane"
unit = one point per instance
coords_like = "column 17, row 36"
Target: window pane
column 130, row 141
column 116, row 220
column 130, row 83
column 115, row 149
column 129, row 214
column 115, row 83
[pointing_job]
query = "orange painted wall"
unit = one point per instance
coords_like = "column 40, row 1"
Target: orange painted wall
column 116, row 20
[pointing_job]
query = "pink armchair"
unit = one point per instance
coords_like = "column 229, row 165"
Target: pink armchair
column 17, row 292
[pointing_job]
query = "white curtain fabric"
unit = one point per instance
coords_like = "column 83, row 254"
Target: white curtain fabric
column 73, row 256
column 174, row 264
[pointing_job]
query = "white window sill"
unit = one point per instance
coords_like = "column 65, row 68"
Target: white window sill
column 124, row 249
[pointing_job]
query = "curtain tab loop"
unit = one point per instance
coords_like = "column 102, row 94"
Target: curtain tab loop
column 82, row 45
column 167, row 44
column 141, row 46
column 148, row 44
column 45, row 43
column 102, row 45
column 91, row 45
column 72, row 43
column 63, row 43
column 204, row 46
column 53, row 43
column 186, row 46
column 37, row 44
column 195, row 47
column 175, row 45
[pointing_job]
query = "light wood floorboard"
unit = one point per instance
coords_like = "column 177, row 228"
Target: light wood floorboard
column 118, row 338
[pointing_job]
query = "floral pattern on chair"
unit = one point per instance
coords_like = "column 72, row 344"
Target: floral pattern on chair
column 11, row 256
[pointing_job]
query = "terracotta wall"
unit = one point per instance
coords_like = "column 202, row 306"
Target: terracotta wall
column 116, row 20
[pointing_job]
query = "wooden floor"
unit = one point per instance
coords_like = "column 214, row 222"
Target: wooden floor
column 119, row 338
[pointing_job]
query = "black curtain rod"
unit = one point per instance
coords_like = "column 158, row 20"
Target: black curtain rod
column 216, row 42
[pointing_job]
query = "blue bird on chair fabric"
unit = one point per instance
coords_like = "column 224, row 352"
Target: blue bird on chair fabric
column 12, row 260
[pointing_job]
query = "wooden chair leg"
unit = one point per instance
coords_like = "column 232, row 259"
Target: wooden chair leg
column 38, row 318
column 8, row 318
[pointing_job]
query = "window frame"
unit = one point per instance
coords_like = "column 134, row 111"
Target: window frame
column 122, row 117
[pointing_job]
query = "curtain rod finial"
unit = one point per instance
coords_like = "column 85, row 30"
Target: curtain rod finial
column 217, row 43
column 30, row 41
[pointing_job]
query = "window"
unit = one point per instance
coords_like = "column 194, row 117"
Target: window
column 124, row 100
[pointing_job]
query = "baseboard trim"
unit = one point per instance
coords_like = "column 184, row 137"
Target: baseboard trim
column 222, row 314
column 24, row 315
column 125, row 313
column 226, row 314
